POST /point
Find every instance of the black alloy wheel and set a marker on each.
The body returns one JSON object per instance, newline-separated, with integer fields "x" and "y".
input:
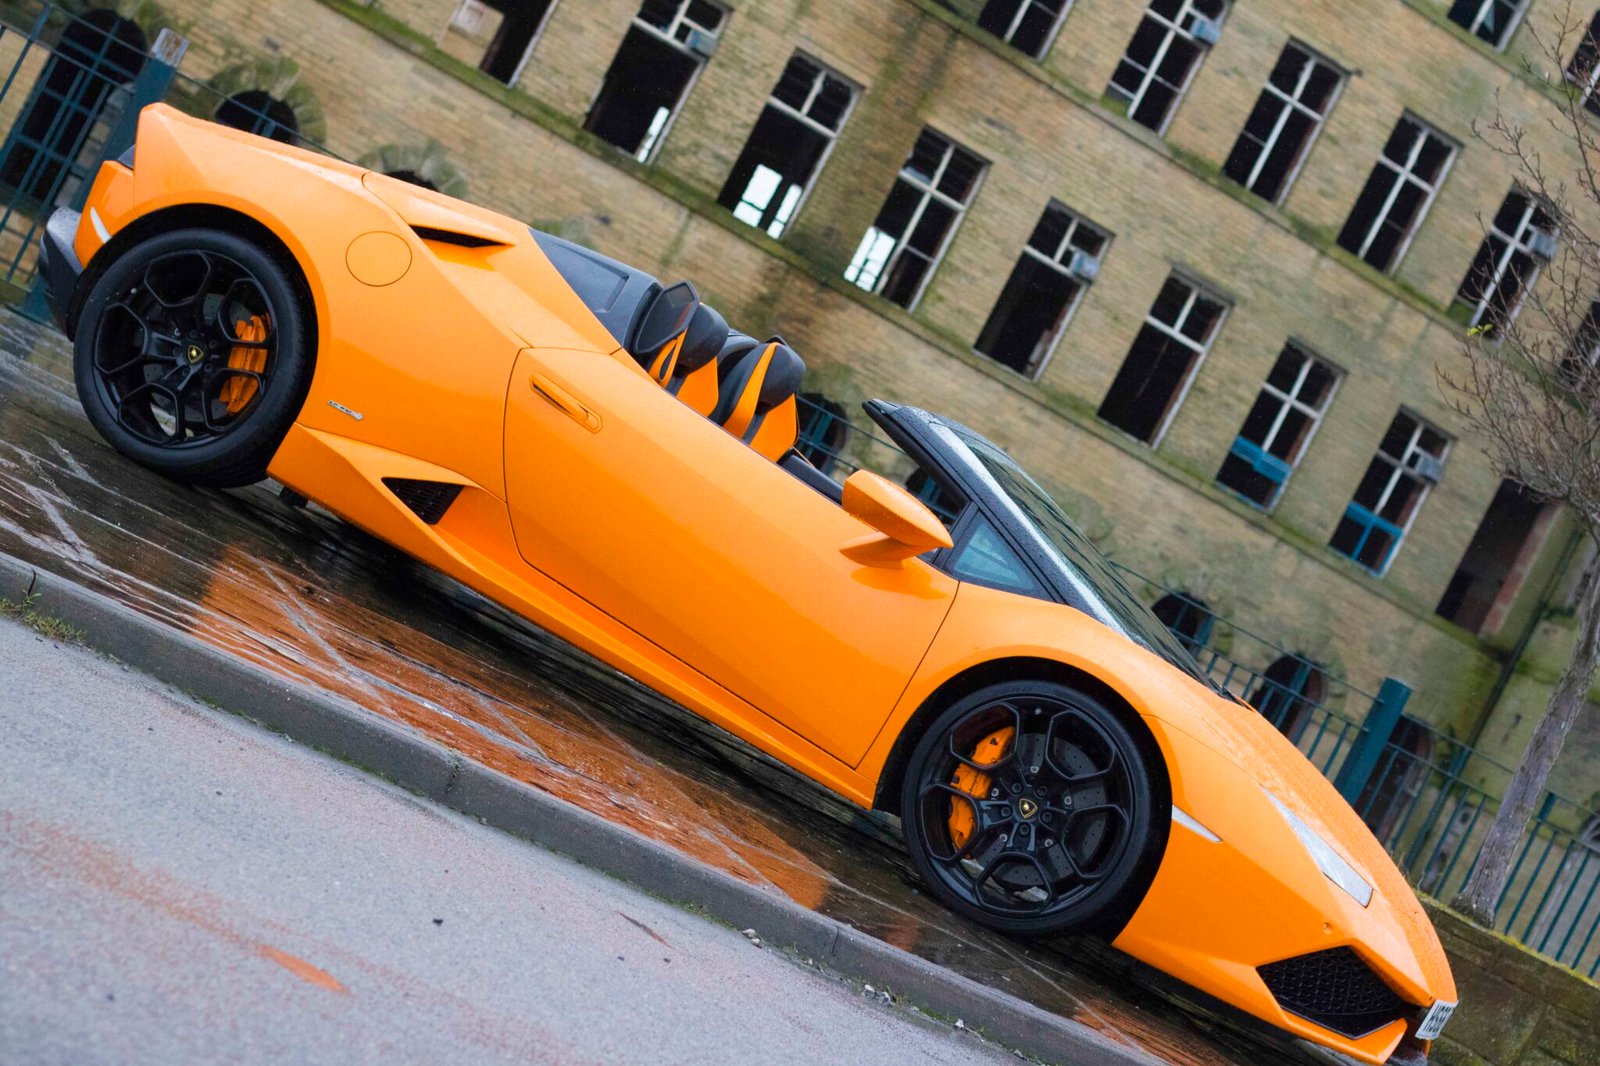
{"x": 191, "y": 356}
{"x": 1031, "y": 808}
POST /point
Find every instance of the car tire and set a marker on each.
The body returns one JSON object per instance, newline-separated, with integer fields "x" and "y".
{"x": 193, "y": 355}
{"x": 1034, "y": 809}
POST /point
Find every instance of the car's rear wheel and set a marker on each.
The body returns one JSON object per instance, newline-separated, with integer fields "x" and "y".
{"x": 1032, "y": 808}
{"x": 193, "y": 356}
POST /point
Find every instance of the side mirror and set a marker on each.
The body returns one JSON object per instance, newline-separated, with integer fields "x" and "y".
{"x": 905, "y": 527}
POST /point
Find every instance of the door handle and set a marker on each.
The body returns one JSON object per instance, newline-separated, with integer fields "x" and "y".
{"x": 564, "y": 401}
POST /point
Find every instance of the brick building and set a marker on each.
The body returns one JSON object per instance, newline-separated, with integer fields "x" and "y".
{"x": 1194, "y": 263}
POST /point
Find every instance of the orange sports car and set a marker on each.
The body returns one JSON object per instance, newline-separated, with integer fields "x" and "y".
{"x": 603, "y": 455}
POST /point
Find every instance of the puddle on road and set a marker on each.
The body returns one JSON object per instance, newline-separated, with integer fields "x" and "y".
{"x": 318, "y": 602}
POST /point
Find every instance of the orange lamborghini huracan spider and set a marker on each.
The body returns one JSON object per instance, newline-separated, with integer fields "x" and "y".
{"x": 601, "y": 454}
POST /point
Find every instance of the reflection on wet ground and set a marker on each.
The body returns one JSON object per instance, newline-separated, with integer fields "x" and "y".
{"x": 315, "y": 601}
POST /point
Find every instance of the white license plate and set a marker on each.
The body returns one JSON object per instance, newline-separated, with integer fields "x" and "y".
{"x": 1433, "y": 1022}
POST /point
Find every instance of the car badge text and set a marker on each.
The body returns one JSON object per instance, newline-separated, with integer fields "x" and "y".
{"x": 337, "y": 406}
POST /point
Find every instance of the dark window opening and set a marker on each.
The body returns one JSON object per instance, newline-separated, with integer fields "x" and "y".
{"x": 1162, "y": 360}
{"x": 99, "y": 50}
{"x": 1279, "y": 426}
{"x": 1284, "y": 122}
{"x": 824, "y": 431}
{"x": 788, "y": 145}
{"x": 1410, "y": 461}
{"x": 1584, "y": 70}
{"x": 1026, "y": 25}
{"x": 1519, "y": 241}
{"x": 1390, "y": 794}
{"x": 1060, "y": 260}
{"x": 1496, "y": 560}
{"x": 652, "y": 72}
{"x": 1397, "y": 194}
{"x": 1488, "y": 20}
{"x": 898, "y": 253}
{"x": 1162, "y": 57}
{"x": 508, "y": 50}
{"x": 259, "y": 112}
{"x": 413, "y": 177}
{"x": 1287, "y": 692}
{"x": 1186, "y": 618}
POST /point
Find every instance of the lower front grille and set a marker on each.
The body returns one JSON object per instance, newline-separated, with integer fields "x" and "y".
{"x": 428, "y": 500}
{"x": 1334, "y": 989}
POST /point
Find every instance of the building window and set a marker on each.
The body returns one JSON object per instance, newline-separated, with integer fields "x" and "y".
{"x": 824, "y": 432}
{"x": 496, "y": 36}
{"x": 1584, "y": 70}
{"x": 258, "y": 111}
{"x": 916, "y": 222}
{"x": 1409, "y": 462}
{"x": 1521, "y": 239}
{"x": 1288, "y": 691}
{"x": 1397, "y": 195}
{"x": 650, "y": 77}
{"x": 1286, "y": 413}
{"x": 1162, "y": 57}
{"x": 1057, "y": 264}
{"x": 1287, "y": 118}
{"x": 1497, "y": 559}
{"x": 788, "y": 146}
{"x": 1187, "y": 618}
{"x": 1175, "y": 336}
{"x": 1026, "y": 25}
{"x": 1488, "y": 20}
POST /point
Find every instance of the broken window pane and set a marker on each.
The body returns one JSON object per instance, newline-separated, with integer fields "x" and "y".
{"x": 496, "y": 36}
{"x": 924, "y": 207}
{"x": 1496, "y": 561}
{"x": 1162, "y": 57}
{"x": 1286, "y": 119}
{"x": 788, "y": 145}
{"x": 1176, "y": 334}
{"x": 1489, "y": 20}
{"x": 1027, "y": 25}
{"x": 1521, "y": 239}
{"x": 1397, "y": 194}
{"x": 1060, "y": 260}
{"x": 650, "y": 76}
{"x": 1279, "y": 426}
{"x": 1409, "y": 462}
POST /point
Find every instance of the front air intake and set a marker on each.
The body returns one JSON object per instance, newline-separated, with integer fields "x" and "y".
{"x": 428, "y": 500}
{"x": 1334, "y": 989}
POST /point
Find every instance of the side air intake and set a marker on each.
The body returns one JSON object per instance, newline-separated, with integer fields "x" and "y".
{"x": 460, "y": 240}
{"x": 428, "y": 500}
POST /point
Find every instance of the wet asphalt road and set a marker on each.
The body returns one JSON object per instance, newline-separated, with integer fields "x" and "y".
{"x": 320, "y": 604}
{"x": 178, "y": 886}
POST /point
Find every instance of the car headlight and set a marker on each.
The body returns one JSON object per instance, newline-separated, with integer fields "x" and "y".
{"x": 1330, "y": 862}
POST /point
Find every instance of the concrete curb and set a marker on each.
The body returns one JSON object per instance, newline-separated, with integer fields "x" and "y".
{"x": 356, "y": 735}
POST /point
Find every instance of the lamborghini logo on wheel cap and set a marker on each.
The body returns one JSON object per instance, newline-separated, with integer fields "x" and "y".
{"x": 1027, "y": 808}
{"x": 195, "y": 353}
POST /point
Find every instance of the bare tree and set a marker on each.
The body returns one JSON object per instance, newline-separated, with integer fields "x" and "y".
{"x": 1528, "y": 387}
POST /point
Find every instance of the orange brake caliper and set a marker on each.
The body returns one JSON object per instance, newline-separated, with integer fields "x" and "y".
{"x": 238, "y": 391}
{"x": 991, "y": 749}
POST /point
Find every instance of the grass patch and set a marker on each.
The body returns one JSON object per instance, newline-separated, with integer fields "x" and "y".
{"x": 26, "y": 611}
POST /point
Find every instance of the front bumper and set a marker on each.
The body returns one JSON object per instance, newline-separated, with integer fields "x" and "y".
{"x": 59, "y": 268}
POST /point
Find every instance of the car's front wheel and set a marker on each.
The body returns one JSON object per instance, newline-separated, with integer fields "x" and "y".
{"x": 192, "y": 355}
{"x": 1032, "y": 808}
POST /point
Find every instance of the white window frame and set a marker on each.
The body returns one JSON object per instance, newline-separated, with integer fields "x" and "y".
{"x": 653, "y": 142}
{"x": 1403, "y": 176}
{"x": 1064, "y": 248}
{"x": 1319, "y": 118}
{"x": 1484, "y": 7}
{"x": 1514, "y": 243}
{"x": 1586, "y": 82}
{"x": 929, "y": 190}
{"x": 1402, "y": 467}
{"x": 1201, "y": 349}
{"x": 1174, "y": 29}
{"x": 533, "y": 42}
{"x": 1050, "y": 38}
{"x": 1290, "y": 400}
{"x": 824, "y": 72}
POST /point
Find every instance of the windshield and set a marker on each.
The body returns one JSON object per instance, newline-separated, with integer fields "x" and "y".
{"x": 1093, "y": 577}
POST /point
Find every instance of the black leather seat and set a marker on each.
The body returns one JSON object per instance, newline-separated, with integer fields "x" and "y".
{"x": 683, "y": 366}
{"x": 756, "y": 394}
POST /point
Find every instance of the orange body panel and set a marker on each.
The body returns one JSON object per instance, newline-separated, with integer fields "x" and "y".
{"x": 603, "y": 508}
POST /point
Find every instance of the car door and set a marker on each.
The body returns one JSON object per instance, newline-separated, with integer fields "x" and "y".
{"x": 676, "y": 529}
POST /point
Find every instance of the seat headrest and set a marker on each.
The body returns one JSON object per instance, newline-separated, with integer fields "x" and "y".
{"x": 733, "y": 348}
{"x": 703, "y": 341}
{"x": 782, "y": 380}
{"x": 741, "y": 369}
